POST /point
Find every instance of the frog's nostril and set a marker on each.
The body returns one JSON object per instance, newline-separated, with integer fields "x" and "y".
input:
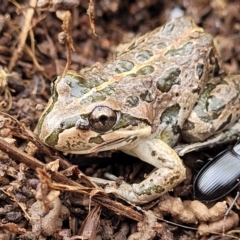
{"x": 82, "y": 124}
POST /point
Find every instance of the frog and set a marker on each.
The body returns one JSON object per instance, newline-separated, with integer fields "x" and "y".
{"x": 163, "y": 87}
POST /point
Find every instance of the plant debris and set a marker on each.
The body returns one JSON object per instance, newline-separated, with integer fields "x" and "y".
{"x": 44, "y": 195}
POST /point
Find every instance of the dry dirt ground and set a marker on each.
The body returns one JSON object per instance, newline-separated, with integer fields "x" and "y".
{"x": 37, "y": 201}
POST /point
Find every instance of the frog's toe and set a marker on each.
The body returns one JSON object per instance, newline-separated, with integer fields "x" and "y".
{"x": 124, "y": 191}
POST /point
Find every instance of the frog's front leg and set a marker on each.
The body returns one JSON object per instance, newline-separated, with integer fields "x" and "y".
{"x": 169, "y": 174}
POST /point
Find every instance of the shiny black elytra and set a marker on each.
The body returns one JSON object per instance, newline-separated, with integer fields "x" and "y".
{"x": 219, "y": 176}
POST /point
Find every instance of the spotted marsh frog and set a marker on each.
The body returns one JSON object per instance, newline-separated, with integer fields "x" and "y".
{"x": 162, "y": 85}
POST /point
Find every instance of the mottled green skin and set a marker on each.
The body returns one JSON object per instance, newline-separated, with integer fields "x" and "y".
{"x": 162, "y": 71}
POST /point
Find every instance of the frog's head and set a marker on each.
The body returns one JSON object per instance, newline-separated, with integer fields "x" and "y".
{"x": 81, "y": 118}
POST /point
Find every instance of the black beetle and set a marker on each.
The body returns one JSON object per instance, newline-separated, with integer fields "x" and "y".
{"x": 219, "y": 176}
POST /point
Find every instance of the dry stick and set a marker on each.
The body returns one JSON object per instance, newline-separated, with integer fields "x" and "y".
{"x": 23, "y": 34}
{"x": 228, "y": 211}
{"x": 33, "y": 163}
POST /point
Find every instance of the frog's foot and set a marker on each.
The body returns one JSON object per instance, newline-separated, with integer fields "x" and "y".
{"x": 169, "y": 174}
{"x": 226, "y": 136}
{"x": 153, "y": 187}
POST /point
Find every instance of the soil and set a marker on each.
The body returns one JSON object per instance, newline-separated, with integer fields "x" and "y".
{"x": 36, "y": 38}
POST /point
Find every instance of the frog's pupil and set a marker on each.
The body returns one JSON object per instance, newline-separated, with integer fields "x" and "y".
{"x": 103, "y": 119}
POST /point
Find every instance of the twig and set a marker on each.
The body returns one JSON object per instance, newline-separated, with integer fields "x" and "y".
{"x": 23, "y": 35}
{"x": 103, "y": 200}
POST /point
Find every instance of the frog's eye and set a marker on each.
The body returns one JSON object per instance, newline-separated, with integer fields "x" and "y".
{"x": 102, "y": 119}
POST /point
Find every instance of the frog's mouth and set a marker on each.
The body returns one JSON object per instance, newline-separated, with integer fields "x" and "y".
{"x": 115, "y": 144}
{"x": 71, "y": 141}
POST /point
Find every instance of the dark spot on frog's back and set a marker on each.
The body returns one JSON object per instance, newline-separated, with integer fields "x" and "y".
{"x": 144, "y": 55}
{"x": 145, "y": 70}
{"x": 161, "y": 45}
{"x": 146, "y": 96}
{"x": 185, "y": 50}
{"x": 199, "y": 70}
{"x": 77, "y": 85}
{"x": 132, "y": 101}
{"x": 80, "y": 86}
{"x": 168, "y": 79}
{"x": 98, "y": 96}
{"x": 124, "y": 66}
{"x": 170, "y": 115}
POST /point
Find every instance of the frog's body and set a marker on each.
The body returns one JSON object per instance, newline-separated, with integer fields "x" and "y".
{"x": 142, "y": 102}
